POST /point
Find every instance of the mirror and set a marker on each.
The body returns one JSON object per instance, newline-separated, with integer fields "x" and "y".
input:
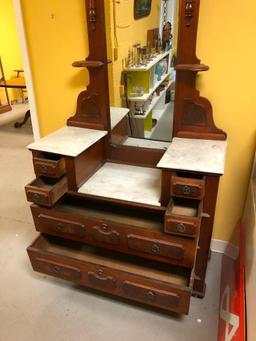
{"x": 141, "y": 76}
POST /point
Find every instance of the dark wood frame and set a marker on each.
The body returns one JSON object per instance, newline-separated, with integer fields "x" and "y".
{"x": 145, "y": 14}
{"x": 193, "y": 117}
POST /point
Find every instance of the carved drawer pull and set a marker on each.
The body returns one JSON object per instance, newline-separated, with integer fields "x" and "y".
{"x": 43, "y": 169}
{"x": 181, "y": 228}
{"x": 101, "y": 234}
{"x": 186, "y": 190}
{"x": 106, "y": 282}
{"x": 151, "y": 295}
{"x": 56, "y": 268}
{"x": 36, "y": 197}
{"x": 155, "y": 248}
{"x": 60, "y": 226}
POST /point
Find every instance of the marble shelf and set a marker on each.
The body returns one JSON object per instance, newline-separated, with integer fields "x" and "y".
{"x": 117, "y": 114}
{"x": 125, "y": 182}
{"x": 68, "y": 141}
{"x": 207, "y": 156}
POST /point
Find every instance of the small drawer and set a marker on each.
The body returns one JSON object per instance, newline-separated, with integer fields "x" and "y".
{"x": 57, "y": 269}
{"x": 50, "y": 165}
{"x": 46, "y": 191}
{"x": 156, "y": 247}
{"x": 61, "y": 226}
{"x": 183, "y": 217}
{"x": 182, "y": 185}
{"x": 159, "y": 285}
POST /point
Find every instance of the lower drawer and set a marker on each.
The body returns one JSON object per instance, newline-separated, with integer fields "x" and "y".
{"x": 125, "y": 230}
{"x": 156, "y": 284}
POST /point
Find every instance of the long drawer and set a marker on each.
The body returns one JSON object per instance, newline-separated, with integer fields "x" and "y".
{"x": 126, "y": 230}
{"x": 152, "y": 283}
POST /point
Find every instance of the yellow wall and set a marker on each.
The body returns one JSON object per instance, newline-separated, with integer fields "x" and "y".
{"x": 226, "y": 38}
{"x": 225, "y": 42}
{"x": 9, "y": 46}
{"x": 56, "y": 34}
{"x": 129, "y": 31}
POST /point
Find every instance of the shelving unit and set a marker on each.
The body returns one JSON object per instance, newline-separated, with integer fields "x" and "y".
{"x": 146, "y": 77}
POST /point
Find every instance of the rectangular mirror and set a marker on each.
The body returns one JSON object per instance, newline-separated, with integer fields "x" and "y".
{"x": 141, "y": 75}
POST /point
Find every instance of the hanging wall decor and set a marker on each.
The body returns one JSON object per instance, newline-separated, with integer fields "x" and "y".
{"x": 142, "y": 8}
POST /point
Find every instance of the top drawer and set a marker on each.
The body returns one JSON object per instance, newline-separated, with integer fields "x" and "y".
{"x": 49, "y": 165}
{"x": 188, "y": 185}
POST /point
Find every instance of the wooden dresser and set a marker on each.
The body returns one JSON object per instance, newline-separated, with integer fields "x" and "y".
{"x": 127, "y": 217}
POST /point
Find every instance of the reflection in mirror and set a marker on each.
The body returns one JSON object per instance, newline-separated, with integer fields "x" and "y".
{"x": 141, "y": 75}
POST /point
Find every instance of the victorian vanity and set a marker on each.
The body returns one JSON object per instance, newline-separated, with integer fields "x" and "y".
{"x": 121, "y": 214}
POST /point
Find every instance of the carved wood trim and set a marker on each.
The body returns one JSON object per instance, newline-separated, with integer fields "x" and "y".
{"x": 93, "y": 109}
{"x": 193, "y": 116}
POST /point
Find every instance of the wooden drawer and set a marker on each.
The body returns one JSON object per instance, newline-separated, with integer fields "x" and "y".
{"x": 183, "y": 217}
{"x": 126, "y": 230}
{"x": 49, "y": 165}
{"x": 188, "y": 186}
{"x": 46, "y": 191}
{"x": 152, "y": 283}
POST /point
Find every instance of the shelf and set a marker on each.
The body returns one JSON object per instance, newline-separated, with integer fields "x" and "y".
{"x": 150, "y": 65}
{"x": 154, "y": 102}
{"x": 157, "y": 115}
{"x": 146, "y": 96}
{"x": 192, "y": 67}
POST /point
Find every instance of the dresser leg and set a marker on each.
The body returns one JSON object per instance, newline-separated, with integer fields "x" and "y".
{"x": 196, "y": 290}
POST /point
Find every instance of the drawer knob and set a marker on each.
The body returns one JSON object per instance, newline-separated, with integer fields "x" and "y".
{"x": 36, "y": 197}
{"x": 151, "y": 295}
{"x": 104, "y": 227}
{"x": 181, "y": 228}
{"x": 155, "y": 248}
{"x": 60, "y": 226}
{"x": 44, "y": 169}
{"x": 186, "y": 190}
{"x": 56, "y": 268}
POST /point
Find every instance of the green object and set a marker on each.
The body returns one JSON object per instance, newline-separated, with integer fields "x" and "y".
{"x": 138, "y": 80}
{"x": 148, "y": 122}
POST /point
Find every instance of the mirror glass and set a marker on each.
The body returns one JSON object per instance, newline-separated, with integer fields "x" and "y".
{"x": 141, "y": 40}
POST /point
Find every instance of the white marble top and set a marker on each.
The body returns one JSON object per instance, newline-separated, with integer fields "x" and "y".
{"x": 117, "y": 114}
{"x": 69, "y": 141}
{"x": 125, "y": 182}
{"x": 145, "y": 143}
{"x": 207, "y": 156}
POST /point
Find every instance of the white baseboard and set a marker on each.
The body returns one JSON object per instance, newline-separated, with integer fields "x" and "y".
{"x": 218, "y": 245}
{"x": 231, "y": 250}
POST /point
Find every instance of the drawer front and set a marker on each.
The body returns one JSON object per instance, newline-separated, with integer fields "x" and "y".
{"x": 151, "y": 295}
{"x": 114, "y": 280}
{"x": 63, "y": 226}
{"x": 44, "y": 192}
{"x": 183, "y": 227}
{"x": 40, "y": 198}
{"x": 156, "y": 246}
{"x": 187, "y": 188}
{"x": 57, "y": 269}
{"x": 50, "y": 168}
{"x": 128, "y": 239}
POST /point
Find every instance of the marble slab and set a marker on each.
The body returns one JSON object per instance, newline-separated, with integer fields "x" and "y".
{"x": 145, "y": 143}
{"x": 117, "y": 114}
{"x": 205, "y": 156}
{"x": 125, "y": 182}
{"x": 69, "y": 141}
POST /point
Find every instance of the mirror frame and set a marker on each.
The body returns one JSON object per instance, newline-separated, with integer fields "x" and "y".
{"x": 193, "y": 117}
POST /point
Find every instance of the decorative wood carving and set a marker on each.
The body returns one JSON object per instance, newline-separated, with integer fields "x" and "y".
{"x": 93, "y": 14}
{"x": 189, "y": 10}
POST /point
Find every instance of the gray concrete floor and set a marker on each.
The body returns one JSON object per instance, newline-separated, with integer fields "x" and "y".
{"x": 36, "y": 307}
